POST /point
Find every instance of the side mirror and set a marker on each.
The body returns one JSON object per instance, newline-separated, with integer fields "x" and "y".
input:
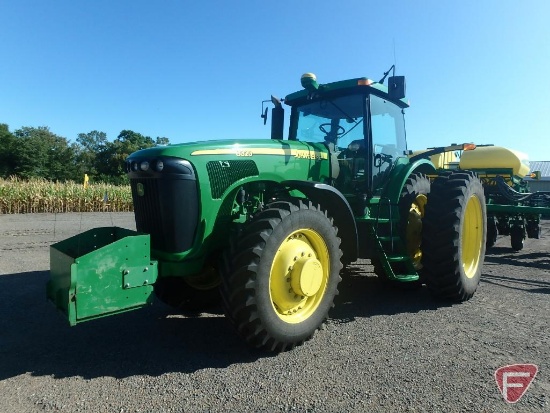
{"x": 396, "y": 87}
{"x": 277, "y": 119}
{"x": 277, "y": 122}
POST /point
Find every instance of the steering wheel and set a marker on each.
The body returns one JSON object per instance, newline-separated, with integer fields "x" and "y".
{"x": 381, "y": 158}
{"x": 339, "y": 130}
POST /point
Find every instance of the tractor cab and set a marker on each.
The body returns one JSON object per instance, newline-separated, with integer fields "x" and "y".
{"x": 360, "y": 122}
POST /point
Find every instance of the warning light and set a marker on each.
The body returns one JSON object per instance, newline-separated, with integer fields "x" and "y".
{"x": 364, "y": 82}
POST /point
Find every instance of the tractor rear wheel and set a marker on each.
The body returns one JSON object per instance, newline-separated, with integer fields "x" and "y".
{"x": 280, "y": 284}
{"x": 412, "y": 207}
{"x": 412, "y": 204}
{"x": 454, "y": 236}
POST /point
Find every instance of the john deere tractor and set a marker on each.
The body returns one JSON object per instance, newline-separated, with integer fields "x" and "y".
{"x": 266, "y": 226}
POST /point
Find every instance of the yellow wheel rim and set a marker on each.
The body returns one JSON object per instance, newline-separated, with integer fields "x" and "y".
{"x": 414, "y": 229}
{"x": 299, "y": 276}
{"x": 472, "y": 236}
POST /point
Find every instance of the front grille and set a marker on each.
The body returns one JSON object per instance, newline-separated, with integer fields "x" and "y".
{"x": 223, "y": 174}
{"x": 167, "y": 209}
{"x": 147, "y": 207}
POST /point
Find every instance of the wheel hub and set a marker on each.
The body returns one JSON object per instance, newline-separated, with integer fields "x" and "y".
{"x": 306, "y": 276}
{"x": 299, "y": 275}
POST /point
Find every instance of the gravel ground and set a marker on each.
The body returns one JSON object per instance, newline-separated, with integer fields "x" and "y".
{"x": 381, "y": 351}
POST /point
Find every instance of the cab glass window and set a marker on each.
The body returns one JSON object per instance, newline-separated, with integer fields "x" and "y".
{"x": 338, "y": 120}
{"x": 388, "y": 128}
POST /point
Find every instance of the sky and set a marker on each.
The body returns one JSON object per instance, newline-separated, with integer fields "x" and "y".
{"x": 477, "y": 70}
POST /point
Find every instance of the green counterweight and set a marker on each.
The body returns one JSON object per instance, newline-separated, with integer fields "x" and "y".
{"x": 100, "y": 272}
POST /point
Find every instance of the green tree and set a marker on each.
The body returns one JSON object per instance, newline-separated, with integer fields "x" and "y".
{"x": 32, "y": 152}
{"x": 162, "y": 141}
{"x": 39, "y": 153}
{"x": 7, "y": 148}
{"x": 111, "y": 162}
{"x": 89, "y": 146}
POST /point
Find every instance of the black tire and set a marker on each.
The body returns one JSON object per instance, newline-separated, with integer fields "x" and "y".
{"x": 454, "y": 236}
{"x": 533, "y": 229}
{"x": 517, "y": 236}
{"x": 264, "y": 287}
{"x": 492, "y": 232}
{"x": 191, "y": 294}
{"x": 503, "y": 226}
{"x": 412, "y": 205}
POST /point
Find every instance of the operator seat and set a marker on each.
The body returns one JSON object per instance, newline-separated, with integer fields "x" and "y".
{"x": 333, "y": 153}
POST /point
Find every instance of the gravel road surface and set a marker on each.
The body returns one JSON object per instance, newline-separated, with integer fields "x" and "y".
{"x": 382, "y": 350}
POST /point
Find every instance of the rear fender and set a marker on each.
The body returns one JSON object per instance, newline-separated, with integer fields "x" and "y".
{"x": 401, "y": 173}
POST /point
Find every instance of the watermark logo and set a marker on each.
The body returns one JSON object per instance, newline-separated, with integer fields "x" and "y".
{"x": 514, "y": 380}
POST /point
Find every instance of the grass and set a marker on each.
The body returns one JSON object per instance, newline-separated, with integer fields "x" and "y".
{"x": 19, "y": 197}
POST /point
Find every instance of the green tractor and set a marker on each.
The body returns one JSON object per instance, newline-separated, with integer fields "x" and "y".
{"x": 266, "y": 226}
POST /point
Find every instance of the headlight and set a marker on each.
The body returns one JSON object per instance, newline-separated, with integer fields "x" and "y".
{"x": 160, "y": 166}
{"x": 134, "y": 166}
{"x": 144, "y": 165}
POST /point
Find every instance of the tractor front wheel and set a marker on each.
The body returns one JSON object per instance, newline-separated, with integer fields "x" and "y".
{"x": 280, "y": 284}
{"x": 454, "y": 236}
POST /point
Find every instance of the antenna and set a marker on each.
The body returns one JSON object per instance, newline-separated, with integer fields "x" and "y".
{"x": 381, "y": 81}
{"x": 394, "y": 54}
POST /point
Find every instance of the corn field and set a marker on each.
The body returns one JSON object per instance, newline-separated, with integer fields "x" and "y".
{"x": 20, "y": 197}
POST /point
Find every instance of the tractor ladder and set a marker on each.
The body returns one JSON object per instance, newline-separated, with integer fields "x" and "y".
{"x": 383, "y": 226}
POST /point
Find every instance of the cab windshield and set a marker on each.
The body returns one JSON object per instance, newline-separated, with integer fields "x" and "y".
{"x": 337, "y": 120}
{"x": 388, "y": 138}
{"x": 388, "y": 129}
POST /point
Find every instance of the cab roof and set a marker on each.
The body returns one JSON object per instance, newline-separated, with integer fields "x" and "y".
{"x": 344, "y": 87}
